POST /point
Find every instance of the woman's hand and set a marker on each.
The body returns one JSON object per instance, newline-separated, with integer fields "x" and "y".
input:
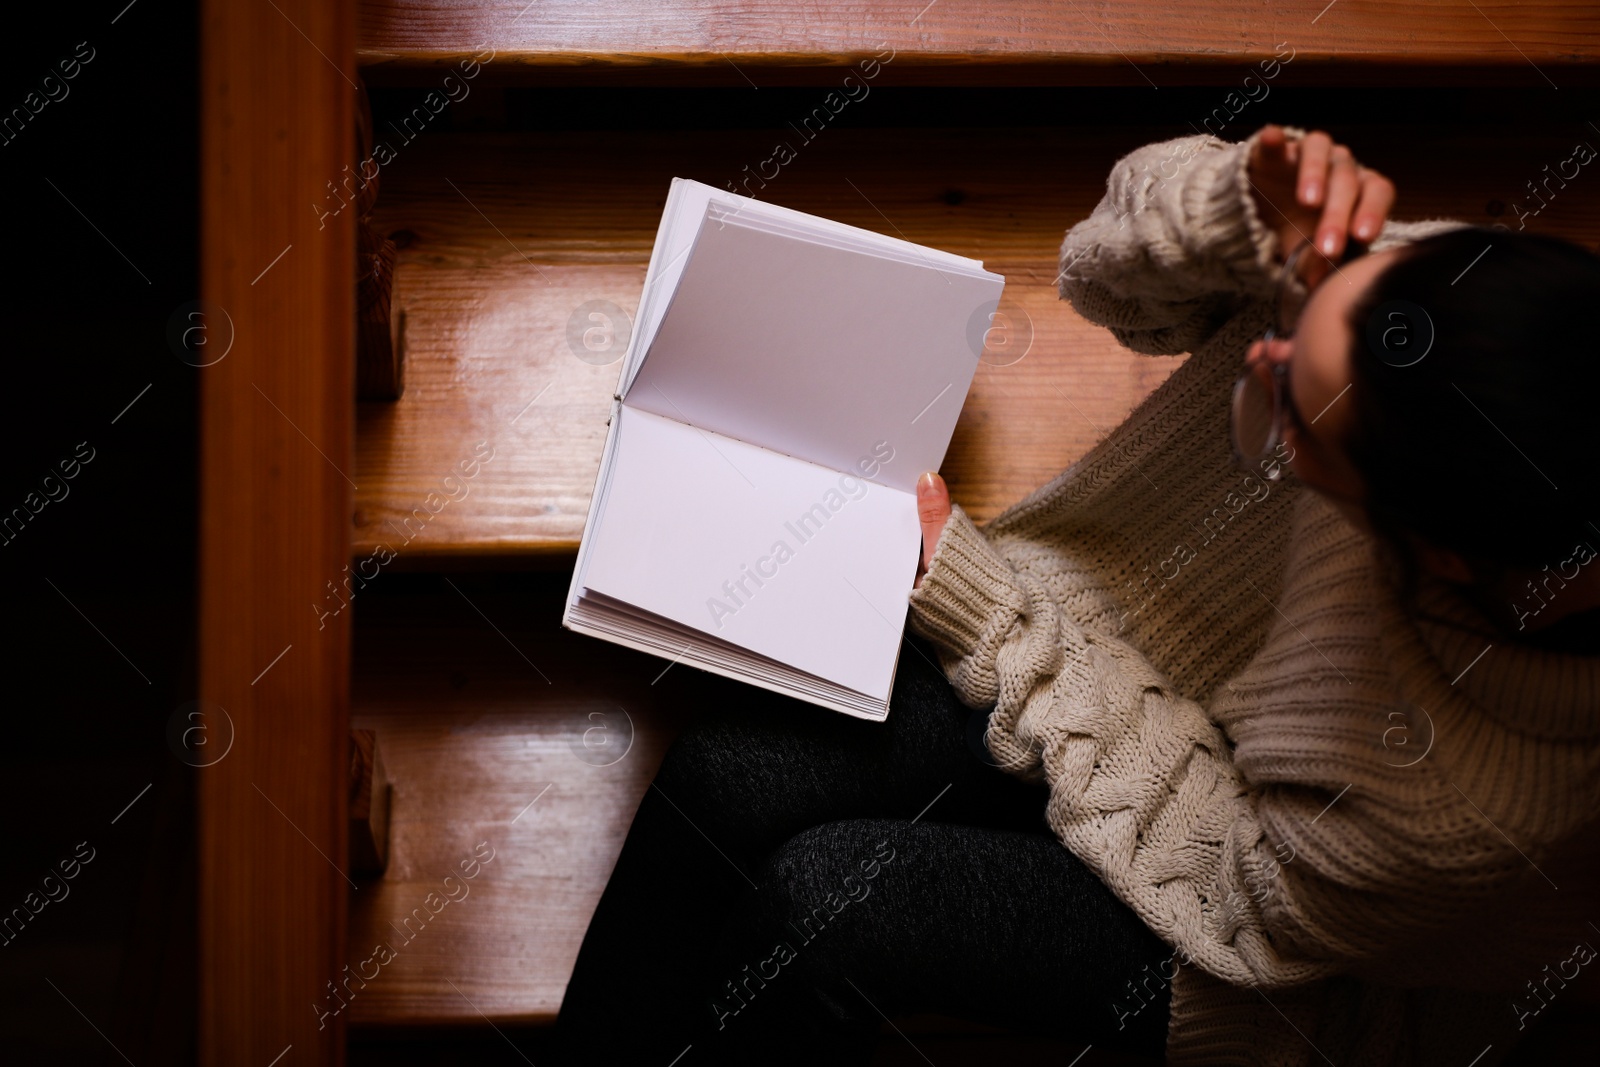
{"x": 1312, "y": 189}
{"x": 933, "y": 508}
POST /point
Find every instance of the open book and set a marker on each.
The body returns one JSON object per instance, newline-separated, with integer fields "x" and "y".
{"x": 787, "y": 381}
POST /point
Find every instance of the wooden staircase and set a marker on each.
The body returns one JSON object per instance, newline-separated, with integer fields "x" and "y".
{"x": 532, "y": 198}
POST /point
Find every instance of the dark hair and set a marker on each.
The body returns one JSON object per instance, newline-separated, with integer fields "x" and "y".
{"x": 1485, "y": 444}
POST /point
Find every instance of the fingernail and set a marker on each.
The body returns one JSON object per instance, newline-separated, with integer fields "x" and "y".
{"x": 1312, "y": 189}
{"x": 1328, "y": 241}
{"x": 925, "y": 483}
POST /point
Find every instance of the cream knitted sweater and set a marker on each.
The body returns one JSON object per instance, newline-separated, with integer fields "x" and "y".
{"x": 1366, "y": 835}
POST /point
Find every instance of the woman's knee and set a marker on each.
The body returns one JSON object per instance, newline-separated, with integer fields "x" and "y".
{"x": 734, "y": 778}
{"x": 714, "y": 751}
{"x": 821, "y": 878}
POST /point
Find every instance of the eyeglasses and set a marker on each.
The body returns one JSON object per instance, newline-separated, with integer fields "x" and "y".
{"x": 1261, "y": 409}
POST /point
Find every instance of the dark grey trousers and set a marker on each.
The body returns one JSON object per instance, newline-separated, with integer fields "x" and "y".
{"x": 794, "y": 876}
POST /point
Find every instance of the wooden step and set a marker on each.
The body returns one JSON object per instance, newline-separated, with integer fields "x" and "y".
{"x": 965, "y": 42}
{"x": 494, "y": 725}
{"x": 508, "y": 236}
{"x": 450, "y": 672}
{"x": 513, "y": 234}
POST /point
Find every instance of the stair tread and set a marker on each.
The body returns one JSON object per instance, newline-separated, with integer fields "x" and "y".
{"x": 514, "y": 232}
{"x": 965, "y": 41}
{"x": 479, "y": 747}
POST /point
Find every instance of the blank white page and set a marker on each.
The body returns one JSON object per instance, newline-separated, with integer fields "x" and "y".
{"x": 690, "y": 530}
{"x": 687, "y": 204}
{"x": 818, "y": 352}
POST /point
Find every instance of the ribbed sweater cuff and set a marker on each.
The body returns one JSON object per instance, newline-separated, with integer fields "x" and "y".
{"x": 969, "y": 598}
{"x": 1247, "y": 246}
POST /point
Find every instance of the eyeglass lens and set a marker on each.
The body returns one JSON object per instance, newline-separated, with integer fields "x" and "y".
{"x": 1253, "y": 416}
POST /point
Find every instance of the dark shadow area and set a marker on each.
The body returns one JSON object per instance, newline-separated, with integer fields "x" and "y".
{"x": 491, "y": 106}
{"x": 98, "y": 161}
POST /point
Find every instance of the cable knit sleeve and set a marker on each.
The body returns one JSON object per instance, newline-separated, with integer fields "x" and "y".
{"x": 1142, "y": 783}
{"x": 1173, "y": 247}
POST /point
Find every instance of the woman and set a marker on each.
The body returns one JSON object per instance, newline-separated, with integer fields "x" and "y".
{"x": 1300, "y": 668}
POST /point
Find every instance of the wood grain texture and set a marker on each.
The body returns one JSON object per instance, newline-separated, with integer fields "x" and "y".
{"x": 507, "y": 235}
{"x": 510, "y": 235}
{"x": 275, "y": 436}
{"x": 481, "y": 749}
{"x": 980, "y": 41}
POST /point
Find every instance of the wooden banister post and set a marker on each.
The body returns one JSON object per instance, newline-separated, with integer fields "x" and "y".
{"x": 276, "y": 455}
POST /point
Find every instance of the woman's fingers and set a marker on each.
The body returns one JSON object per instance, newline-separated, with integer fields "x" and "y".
{"x": 1272, "y": 144}
{"x": 1311, "y": 189}
{"x": 1372, "y": 210}
{"x": 933, "y": 508}
{"x": 1343, "y": 188}
{"x": 1276, "y": 163}
{"x": 1314, "y": 150}
{"x": 1272, "y": 172}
